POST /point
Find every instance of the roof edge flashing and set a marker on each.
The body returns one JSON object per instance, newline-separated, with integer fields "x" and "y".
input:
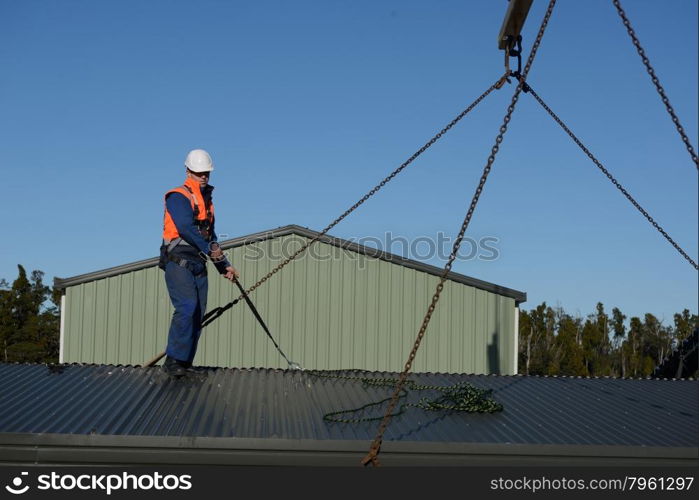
{"x": 518, "y": 296}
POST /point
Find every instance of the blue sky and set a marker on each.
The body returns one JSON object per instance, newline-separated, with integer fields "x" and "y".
{"x": 306, "y": 105}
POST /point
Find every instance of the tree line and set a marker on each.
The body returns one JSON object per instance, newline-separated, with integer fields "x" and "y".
{"x": 553, "y": 342}
{"x": 29, "y": 319}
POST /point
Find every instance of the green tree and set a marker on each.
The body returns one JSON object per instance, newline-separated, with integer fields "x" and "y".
{"x": 552, "y": 342}
{"x": 648, "y": 343}
{"x": 29, "y": 329}
{"x": 619, "y": 329}
{"x": 595, "y": 343}
{"x": 657, "y": 345}
{"x": 637, "y": 349}
{"x": 571, "y": 361}
{"x": 542, "y": 327}
{"x": 5, "y": 309}
{"x": 685, "y": 323}
{"x": 525, "y": 341}
{"x": 537, "y": 347}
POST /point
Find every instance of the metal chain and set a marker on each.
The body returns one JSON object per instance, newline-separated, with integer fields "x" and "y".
{"x": 656, "y": 82}
{"x": 372, "y": 456}
{"x": 461, "y": 397}
{"x": 498, "y": 84}
{"x": 612, "y": 179}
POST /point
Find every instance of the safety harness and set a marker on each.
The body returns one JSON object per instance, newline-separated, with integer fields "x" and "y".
{"x": 203, "y": 220}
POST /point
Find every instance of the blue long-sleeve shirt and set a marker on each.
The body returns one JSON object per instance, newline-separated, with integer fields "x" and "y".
{"x": 180, "y": 209}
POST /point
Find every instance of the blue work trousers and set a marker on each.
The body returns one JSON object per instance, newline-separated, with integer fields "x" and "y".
{"x": 188, "y": 287}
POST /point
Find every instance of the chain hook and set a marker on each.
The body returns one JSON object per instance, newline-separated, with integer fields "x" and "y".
{"x": 509, "y": 43}
{"x": 517, "y": 52}
{"x": 510, "y": 51}
{"x": 525, "y": 86}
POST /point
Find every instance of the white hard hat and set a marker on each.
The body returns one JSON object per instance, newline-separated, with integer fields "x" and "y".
{"x": 199, "y": 160}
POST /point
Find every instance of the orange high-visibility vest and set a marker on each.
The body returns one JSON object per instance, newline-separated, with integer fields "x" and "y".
{"x": 203, "y": 215}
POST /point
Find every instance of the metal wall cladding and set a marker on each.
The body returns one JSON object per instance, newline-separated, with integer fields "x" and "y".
{"x": 291, "y": 404}
{"x": 330, "y": 309}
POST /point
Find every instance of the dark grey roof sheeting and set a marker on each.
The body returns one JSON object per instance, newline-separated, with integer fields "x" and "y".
{"x": 518, "y": 296}
{"x": 281, "y": 409}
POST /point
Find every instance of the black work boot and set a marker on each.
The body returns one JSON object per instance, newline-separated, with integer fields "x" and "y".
{"x": 192, "y": 369}
{"x": 173, "y": 367}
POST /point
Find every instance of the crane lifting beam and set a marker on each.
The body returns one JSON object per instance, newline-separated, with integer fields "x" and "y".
{"x": 512, "y": 25}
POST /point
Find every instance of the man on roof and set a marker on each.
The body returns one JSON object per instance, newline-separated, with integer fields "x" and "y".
{"x": 189, "y": 239}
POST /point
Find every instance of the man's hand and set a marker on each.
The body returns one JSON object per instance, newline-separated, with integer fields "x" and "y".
{"x": 231, "y": 274}
{"x": 217, "y": 254}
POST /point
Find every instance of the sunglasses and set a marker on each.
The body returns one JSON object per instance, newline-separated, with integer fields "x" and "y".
{"x": 199, "y": 174}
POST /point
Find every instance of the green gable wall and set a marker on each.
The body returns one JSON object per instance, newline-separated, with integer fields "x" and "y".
{"x": 330, "y": 309}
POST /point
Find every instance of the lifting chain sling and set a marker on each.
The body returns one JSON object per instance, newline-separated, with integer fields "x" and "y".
{"x": 609, "y": 175}
{"x": 217, "y": 312}
{"x": 372, "y": 456}
{"x": 656, "y": 82}
{"x": 459, "y": 397}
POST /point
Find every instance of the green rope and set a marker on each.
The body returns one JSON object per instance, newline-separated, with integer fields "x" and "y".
{"x": 461, "y": 397}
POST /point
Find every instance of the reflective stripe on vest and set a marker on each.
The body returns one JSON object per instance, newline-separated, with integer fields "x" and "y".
{"x": 190, "y": 189}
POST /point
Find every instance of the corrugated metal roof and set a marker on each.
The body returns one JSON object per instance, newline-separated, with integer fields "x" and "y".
{"x": 282, "y": 404}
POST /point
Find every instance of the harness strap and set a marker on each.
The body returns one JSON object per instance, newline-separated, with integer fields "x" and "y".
{"x": 196, "y": 205}
{"x": 173, "y": 243}
{"x": 183, "y": 263}
{"x": 194, "y": 200}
